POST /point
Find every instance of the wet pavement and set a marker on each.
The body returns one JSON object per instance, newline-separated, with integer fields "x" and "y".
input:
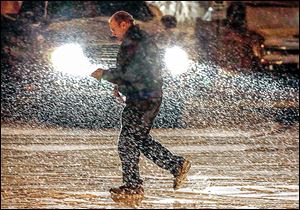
{"x": 74, "y": 168}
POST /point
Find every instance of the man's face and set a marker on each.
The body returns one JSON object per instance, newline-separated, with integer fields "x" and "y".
{"x": 118, "y": 30}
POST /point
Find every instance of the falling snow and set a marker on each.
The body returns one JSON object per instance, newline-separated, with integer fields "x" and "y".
{"x": 59, "y": 130}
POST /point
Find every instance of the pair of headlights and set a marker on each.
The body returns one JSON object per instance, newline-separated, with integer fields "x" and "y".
{"x": 70, "y": 59}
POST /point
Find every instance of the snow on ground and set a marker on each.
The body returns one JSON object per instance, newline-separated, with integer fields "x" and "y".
{"x": 74, "y": 168}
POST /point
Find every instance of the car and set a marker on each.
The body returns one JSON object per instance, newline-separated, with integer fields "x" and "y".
{"x": 254, "y": 35}
{"x": 52, "y": 97}
{"x": 275, "y": 29}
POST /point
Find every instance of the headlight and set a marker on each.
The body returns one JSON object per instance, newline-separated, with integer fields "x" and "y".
{"x": 176, "y": 60}
{"x": 70, "y": 59}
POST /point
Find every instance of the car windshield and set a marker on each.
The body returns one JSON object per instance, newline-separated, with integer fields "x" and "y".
{"x": 64, "y": 10}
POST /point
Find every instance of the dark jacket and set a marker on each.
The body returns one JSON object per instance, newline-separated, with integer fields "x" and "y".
{"x": 138, "y": 69}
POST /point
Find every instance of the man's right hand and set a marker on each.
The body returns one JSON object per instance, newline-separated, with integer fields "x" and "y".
{"x": 97, "y": 74}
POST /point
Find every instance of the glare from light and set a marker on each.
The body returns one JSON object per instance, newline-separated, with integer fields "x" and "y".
{"x": 176, "y": 60}
{"x": 70, "y": 59}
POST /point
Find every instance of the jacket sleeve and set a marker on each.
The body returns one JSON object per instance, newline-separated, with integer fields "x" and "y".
{"x": 116, "y": 75}
{"x": 112, "y": 75}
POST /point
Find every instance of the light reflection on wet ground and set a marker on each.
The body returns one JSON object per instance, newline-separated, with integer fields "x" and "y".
{"x": 65, "y": 168}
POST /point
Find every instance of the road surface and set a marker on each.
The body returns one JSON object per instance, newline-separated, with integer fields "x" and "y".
{"x": 74, "y": 168}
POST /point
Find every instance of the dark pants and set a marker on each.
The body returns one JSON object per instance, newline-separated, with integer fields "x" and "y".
{"x": 137, "y": 120}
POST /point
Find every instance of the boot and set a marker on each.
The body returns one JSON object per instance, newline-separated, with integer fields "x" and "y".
{"x": 131, "y": 196}
{"x": 181, "y": 177}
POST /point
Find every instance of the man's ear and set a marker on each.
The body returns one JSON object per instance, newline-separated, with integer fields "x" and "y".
{"x": 123, "y": 24}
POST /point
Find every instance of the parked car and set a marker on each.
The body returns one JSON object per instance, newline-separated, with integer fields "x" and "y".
{"x": 254, "y": 35}
{"x": 277, "y": 27}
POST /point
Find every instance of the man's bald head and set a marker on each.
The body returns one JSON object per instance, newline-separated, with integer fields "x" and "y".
{"x": 119, "y": 23}
{"x": 122, "y": 16}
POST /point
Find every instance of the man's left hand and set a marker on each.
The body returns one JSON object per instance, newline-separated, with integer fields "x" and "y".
{"x": 117, "y": 94}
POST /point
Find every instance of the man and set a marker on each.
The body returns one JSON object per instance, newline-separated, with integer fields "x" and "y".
{"x": 138, "y": 77}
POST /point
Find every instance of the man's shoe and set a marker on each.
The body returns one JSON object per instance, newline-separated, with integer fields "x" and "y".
{"x": 181, "y": 177}
{"x": 128, "y": 195}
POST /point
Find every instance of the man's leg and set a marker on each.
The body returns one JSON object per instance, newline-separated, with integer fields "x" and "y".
{"x": 151, "y": 148}
{"x": 160, "y": 155}
{"x": 128, "y": 149}
{"x": 132, "y": 191}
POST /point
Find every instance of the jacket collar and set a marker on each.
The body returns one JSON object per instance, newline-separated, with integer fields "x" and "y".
{"x": 134, "y": 32}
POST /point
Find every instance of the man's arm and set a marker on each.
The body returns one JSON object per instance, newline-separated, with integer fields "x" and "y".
{"x": 117, "y": 75}
{"x": 110, "y": 75}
